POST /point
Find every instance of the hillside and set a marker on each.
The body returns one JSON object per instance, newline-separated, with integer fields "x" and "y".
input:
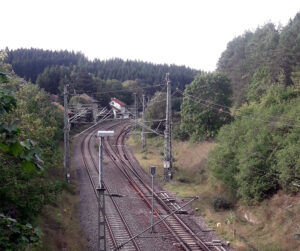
{"x": 249, "y": 180}
{"x": 270, "y": 225}
{"x": 236, "y": 137}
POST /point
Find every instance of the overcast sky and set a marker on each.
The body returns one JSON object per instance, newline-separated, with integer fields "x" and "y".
{"x": 184, "y": 32}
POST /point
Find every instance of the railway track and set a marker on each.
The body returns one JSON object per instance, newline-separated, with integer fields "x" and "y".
{"x": 116, "y": 226}
{"x": 184, "y": 236}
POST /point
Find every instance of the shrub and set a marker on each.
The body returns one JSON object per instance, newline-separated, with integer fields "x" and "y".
{"x": 221, "y": 204}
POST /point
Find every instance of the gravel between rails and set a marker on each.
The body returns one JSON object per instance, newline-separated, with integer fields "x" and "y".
{"x": 136, "y": 213}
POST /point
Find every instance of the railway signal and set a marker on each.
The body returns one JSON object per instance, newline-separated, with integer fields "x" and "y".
{"x": 152, "y": 170}
{"x": 101, "y": 189}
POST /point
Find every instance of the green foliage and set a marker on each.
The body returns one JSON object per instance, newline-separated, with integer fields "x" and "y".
{"x": 220, "y": 204}
{"x": 258, "y": 59}
{"x": 17, "y": 236}
{"x": 289, "y": 48}
{"x": 118, "y": 91}
{"x": 50, "y": 79}
{"x": 29, "y": 63}
{"x": 24, "y": 184}
{"x": 179, "y": 134}
{"x": 7, "y": 100}
{"x": 3, "y": 78}
{"x": 156, "y": 110}
{"x": 260, "y": 82}
{"x": 200, "y": 117}
{"x": 258, "y": 152}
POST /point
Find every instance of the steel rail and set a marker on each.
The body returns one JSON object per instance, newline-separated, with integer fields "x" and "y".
{"x": 116, "y": 151}
{"x": 131, "y": 168}
{"x": 95, "y": 187}
{"x": 111, "y": 233}
{"x": 113, "y": 200}
{"x": 160, "y": 201}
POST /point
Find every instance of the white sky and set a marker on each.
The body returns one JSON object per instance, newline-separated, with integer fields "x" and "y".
{"x": 184, "y": 32}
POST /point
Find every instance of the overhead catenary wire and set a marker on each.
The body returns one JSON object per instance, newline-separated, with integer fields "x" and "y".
{"x": 212, "y": 105}
{"x": 116, "y": 91}
{"x": 223, "y": 106}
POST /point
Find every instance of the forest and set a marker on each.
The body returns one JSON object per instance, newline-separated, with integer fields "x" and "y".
{"x": 255, "y": 119}
{"x": 48, "y": 68}
{"x": 250, "y": 106}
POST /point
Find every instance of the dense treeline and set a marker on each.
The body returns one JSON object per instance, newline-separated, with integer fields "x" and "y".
{"x": 147, "y": 72}
{"x": 30, "y": 159}
{"x": 258, "y": 59}
{"x": 258, "y": 153}
{"x": 258, "y": 132}
{"x": 31, "y": 63}
{"x": 81, "y": 81}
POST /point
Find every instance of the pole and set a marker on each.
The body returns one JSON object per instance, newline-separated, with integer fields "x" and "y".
{"x": 135, "y": 111}
{"x": 101, "y": 203}
{"x": 168, "y": 165}
{"x": 152, "y": 170}
{"x": 66, "y": 135}
{"x": 100, "y": 163}
{"x": 95, "y": 111}
{"x": 152, "y": 214}
{"x": 143, "y": 129}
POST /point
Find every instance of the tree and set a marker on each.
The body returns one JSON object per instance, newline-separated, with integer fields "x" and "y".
{"x": 205, "y": 107}
{"x": 25, "y": 186}
{"x": 156, "y": 110}
{"x": 50, "y": 78}
{"x": 248, "y": 53}
{"x": 289, "y": 48}
{"x": 258, "y": 153}
{"x": 117, "y": 90}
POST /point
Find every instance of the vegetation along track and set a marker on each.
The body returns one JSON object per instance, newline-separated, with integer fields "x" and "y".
{"x": 186, "y": 238}
{"x": 116, "y": 225}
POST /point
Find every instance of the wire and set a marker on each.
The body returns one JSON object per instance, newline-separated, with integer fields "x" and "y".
{"x": 227, "y": 107}
{"x": 115, "y": 91}
{"x": 209, "y": 105}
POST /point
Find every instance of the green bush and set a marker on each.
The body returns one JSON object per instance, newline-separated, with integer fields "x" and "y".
{"x": 28, "y": 154}
{"x": 258, "y": 153}
{"x": 220, "y": 204}
{"x": 201, "y": 118}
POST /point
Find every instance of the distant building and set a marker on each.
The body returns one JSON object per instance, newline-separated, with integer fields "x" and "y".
{"x": 119, "y": 108}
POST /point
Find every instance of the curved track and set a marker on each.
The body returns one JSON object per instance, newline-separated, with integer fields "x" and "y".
{"x": 124, "y": 169}
{"x": 117, "y": 228}
{"x": 185, "y": 237}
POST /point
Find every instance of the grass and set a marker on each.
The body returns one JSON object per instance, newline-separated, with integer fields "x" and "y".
{"x": 59, "y": 221}
{"x": 272, "y": 225}
{"x": 60, "y": 225}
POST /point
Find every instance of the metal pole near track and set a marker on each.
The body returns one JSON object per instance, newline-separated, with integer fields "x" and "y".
{"x": 168, "y": 164}
{"x": 152, "y": 172}
{"x": 66, "y": 135}
{"x": 101, "y": 200}
{"x": 143, "y": 129}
